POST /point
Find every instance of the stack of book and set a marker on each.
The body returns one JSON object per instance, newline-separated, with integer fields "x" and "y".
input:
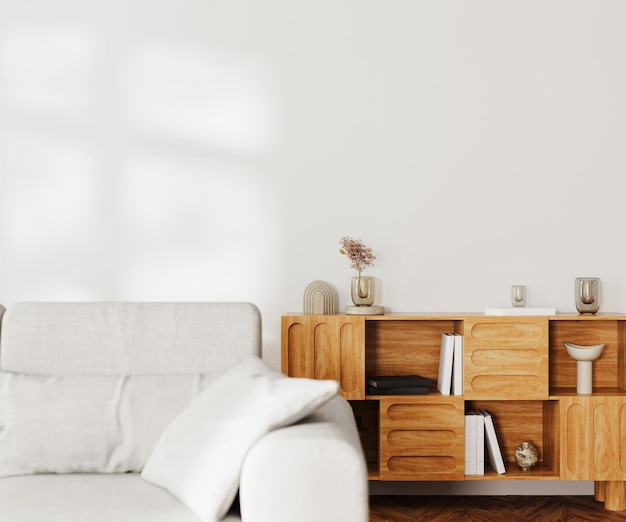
{"x": 450, "y": 379}
{"x": 480, "y": 433}
{"x": 398, "y": 385}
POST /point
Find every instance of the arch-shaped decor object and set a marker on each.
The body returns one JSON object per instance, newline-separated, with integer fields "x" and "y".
{"x": 319, "y": 299}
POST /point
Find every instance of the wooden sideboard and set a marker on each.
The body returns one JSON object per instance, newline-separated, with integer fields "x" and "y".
{"x": 516, "y": 367}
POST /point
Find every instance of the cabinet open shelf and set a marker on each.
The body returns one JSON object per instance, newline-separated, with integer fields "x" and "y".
{"x": 514, "y": 472}
{"x": 514, "y": 367}
{"x": 401, "y": 347}
{"x": 555, "y": 393}
{"x": 376, "y": 397}
{"x": 516, "y": 421}
{"x": 366, "y": 417}
{"x": 608, "y": 370}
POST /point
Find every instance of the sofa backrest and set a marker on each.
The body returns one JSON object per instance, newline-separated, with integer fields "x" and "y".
{"x": 122, "y": 338}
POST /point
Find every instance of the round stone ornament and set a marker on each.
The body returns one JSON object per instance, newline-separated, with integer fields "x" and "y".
{"x": 526, "y": 455}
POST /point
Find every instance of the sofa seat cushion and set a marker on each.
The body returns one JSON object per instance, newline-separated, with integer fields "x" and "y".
{"x": 89, "y": 497}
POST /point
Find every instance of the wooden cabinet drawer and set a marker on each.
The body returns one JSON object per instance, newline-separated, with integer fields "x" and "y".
{"x": 506, "y": 358}
{"x": 422, "y": 438}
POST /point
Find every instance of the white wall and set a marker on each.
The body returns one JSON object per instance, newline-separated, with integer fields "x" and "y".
{"x": 218, "y": 150}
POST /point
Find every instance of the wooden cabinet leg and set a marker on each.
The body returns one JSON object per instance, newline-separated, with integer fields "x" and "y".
{"x": 615, "y": 495}
{"x": 599, "y": 490}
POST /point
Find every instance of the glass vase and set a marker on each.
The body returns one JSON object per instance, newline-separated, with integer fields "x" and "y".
{"x": 587, "y": 295}
{"x": 362, "y": 290}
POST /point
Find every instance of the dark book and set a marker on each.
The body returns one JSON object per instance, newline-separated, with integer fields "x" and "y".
{"x": 402, "y": 390}
{"x": 397, "y": 381}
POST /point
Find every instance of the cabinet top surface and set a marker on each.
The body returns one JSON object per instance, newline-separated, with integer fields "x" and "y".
{"x": 459, "y": 316}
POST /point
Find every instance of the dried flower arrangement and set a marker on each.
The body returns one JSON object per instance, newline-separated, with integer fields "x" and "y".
{"x": 359, "y": 255}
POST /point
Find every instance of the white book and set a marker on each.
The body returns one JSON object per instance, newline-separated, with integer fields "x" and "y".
{"x": 467, "y": 445}
{"x": 493, "y": 447}
{"x": 457, "y": 366}
{"x": 470, "y": 444}
{"x": 480, "y": 442}
{"x": 444, "y": 380}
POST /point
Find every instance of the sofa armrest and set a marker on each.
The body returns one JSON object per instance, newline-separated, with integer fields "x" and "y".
{"x": 312, "y": 471}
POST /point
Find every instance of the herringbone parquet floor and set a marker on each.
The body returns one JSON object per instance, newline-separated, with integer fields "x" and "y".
{"x": 508, "y": 508}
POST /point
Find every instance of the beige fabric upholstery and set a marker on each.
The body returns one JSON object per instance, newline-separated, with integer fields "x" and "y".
{"x": 301, "y": 473}
{"x": 127, "y": 338}
{"x": 332, "y": 471}
{"x": 89, "y": 498}
{"x": 87, "y": 423}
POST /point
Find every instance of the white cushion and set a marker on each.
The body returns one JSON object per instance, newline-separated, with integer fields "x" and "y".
{"x": 87, "y": 423}
{"x": 199, "y": 456}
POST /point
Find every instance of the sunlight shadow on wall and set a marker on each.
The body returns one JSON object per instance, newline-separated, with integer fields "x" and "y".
{"x": 206, "y": 228}
{"x": 202, "y": 96}
{"x": 199, "y": 219}
{"x": 50, "y": 222}
{"x": 51, "y": 219}
{"x": 160, "y": 199}
{"x": 50, "y": 69}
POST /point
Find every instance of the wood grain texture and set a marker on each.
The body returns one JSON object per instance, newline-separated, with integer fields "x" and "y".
{"x": 621, "y": 355}
{"x": 405, "y": 347}
{"x": 366, "y": 417}
{"x": 592, "y": 438}
{"x": 514, "y": 367}
{"x": 325, "y": 347}
{"x": 421, "y": 438}
{"x": 510, "y": 508}
{"x": 506, "y": 358}
{"x": 605, "y": 369}
{"x": 518, "y": 421}
{"x": 615, "y": 495}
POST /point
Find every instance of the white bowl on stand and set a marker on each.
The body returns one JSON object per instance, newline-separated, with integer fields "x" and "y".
{"x": 584, "y": 357}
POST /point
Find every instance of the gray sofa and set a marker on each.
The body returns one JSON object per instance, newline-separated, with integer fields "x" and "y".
{"x": 86, "y": 390}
